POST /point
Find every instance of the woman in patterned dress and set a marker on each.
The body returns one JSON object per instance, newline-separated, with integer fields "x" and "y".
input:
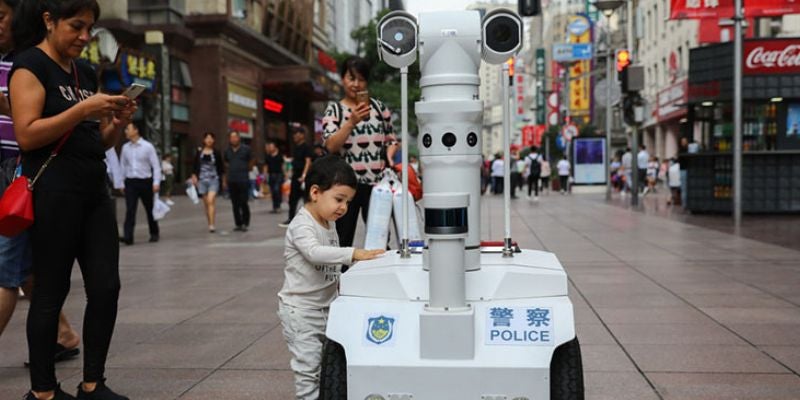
{"x": 361, "y": 132}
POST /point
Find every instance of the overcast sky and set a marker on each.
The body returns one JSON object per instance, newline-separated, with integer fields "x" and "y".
{"x": 415, "y": 6}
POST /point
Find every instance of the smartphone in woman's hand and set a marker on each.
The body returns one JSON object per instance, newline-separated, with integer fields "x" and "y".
{"x": 362, "y": 97}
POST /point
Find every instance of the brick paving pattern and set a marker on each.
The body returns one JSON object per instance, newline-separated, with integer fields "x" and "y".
{"x": 664, "y": 309}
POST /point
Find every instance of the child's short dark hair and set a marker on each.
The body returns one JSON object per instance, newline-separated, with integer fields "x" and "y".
{"x": 328, "y": 171}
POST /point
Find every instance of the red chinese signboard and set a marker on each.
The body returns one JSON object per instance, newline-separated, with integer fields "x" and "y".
{"x": 532, "y": 135}
{"x": 326, "y": 61}
{"x": 697, "y": 9}
{"x": 778, "y": 56}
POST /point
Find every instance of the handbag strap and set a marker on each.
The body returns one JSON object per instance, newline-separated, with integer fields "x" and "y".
{"x": 64, "y": 138}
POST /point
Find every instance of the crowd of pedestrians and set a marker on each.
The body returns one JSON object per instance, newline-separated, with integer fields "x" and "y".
{"x": 532, "y": 169}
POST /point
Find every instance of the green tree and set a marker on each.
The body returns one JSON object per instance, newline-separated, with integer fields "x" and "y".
{"x": 384, "y": 80}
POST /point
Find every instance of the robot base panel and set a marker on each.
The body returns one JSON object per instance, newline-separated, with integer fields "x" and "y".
{"x": 519, "y": 314}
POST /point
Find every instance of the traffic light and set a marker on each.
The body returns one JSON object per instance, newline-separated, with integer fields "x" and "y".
{"x": 510, "y": 63}
{"x": 623, "y": 58}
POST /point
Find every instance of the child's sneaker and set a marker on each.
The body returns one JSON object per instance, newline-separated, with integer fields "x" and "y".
{"x": 100, "y": 392}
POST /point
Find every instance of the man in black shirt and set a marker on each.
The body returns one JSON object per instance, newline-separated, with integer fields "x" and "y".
{"x": 301, "y": 162}
{"x": 273, "y": 169}
{"x": 238, "y": 162}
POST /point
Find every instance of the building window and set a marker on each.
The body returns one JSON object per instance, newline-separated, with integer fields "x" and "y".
{"x": 239, "y": 9}
{"x": 319, "y": 12}
{"x": 181, "y": 81}
{"x": 655, "y": 75}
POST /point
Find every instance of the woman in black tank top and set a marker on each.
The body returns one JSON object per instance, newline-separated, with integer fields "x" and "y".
{"x": 53, "y": 93}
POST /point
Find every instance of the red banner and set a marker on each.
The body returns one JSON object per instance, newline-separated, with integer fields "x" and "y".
{"x": 775, "y": 56}
{"x": 698, "y": 9}
{"x": 532, "y": 135}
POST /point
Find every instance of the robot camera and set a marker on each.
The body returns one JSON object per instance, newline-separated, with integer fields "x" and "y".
{"x": 501, "y": 31}
{"x": 397, "y": 39}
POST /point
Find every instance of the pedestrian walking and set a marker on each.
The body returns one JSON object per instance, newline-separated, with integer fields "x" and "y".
{"x": 273, "y": 170}
{"x": 498, "y": 172}
{"x": 53, "y": 99}
{"x": 359, "y": 128}
{"x": 238, "y": 163}
{"x": 301, "y": 162}
{"x": 615, "y": 169}
{"x": 563, "y": 168}
{"x": 627, "y": 170}
{"x": 207, "y": 176}
{"x": 642, "y": 159}
{"x": 142, "y": 171}
{"x": 674, "y": 182}
{"x": 652, "y": 175}
{"x": 545, "y": 174}
{"x": 516, "y": 174}
{"x": 314, "y": 261}
{"x": 167, "y": 179}
{"x": 533, "y": 167}
{"x": 15, "y": 252}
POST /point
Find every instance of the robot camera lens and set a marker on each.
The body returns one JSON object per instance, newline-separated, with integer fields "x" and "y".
{"x": 502, "y": 34}
{"x": 472, "y": 139}
{"x": 427, "y": 141}
{"x": 401, "y": 33}
{"x": 449, "y": 139}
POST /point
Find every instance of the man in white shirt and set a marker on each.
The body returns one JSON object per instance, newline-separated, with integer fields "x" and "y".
{"x": 642, "y": 158}
{"x": 498, "y": 171}
{"x": 563, "y": 167}
{"x": 140, "y": 164}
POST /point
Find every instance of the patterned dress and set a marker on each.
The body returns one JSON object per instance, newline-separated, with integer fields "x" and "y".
{"x": 364, "y": 149}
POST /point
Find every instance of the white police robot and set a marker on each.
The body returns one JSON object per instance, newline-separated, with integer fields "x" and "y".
{"x": 454, "y": 322}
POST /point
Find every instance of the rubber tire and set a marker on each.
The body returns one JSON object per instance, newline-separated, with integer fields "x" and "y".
{"x": 333, "y": 377}
{"x": 566, "y": 372}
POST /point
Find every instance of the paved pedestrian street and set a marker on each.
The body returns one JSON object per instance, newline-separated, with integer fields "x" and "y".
{"x": 664, "y": 309}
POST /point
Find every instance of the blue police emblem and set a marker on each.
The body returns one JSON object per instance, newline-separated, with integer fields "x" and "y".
{"x": 380, "y": 329}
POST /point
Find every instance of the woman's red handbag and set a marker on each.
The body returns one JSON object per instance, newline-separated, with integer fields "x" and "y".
{"x": 16, "y": 208}
{"x": 16, "y": 205}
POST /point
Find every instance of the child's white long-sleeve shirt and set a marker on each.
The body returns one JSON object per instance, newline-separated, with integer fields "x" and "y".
{"x": 313, "y": 263}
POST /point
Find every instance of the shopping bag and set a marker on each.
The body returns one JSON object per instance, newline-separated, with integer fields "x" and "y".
{"x": 160, "y": 209}
{"x": 379, "y": 216}
{"x": 191, "y": 192}
{"x": 413, "y": 219}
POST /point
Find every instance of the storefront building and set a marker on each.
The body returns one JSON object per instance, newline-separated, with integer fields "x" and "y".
{"x": 253, "y": 84}
{"x": 669, "y": 113}
{"x": 155, "y": 58}
{"x": 771, "y": 127}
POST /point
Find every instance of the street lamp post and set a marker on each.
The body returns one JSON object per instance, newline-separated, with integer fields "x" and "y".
{"x": 737, "y": 117}
{"x": 608, "y": 7}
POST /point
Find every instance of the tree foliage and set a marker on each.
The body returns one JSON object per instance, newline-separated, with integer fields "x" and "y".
{"x": 384, "y": 80}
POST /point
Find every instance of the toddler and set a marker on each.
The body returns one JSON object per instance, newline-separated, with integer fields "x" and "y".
{"x": 313, "y": 265}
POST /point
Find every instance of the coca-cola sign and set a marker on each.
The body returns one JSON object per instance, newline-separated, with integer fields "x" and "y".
{"x": 780, "y": 56}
